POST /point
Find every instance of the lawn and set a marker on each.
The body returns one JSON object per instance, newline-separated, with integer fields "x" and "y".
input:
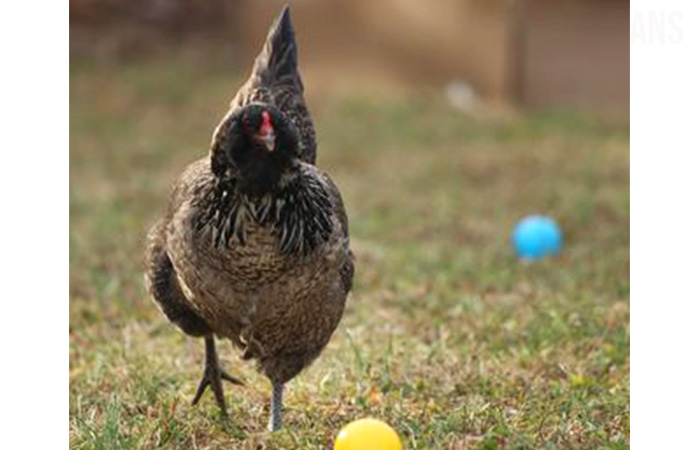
{"x": 446, "y": 335}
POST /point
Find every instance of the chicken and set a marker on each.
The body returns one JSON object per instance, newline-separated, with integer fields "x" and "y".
{"x": 254, "y": 245}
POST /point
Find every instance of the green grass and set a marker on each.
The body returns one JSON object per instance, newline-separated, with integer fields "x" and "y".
{"x": 446, "y": 336}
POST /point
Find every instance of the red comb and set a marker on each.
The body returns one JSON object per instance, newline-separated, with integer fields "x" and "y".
{"x": 266, "y": 126}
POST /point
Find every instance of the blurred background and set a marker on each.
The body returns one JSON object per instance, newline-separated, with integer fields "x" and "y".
{"x": 540, "y": 53}
{"x": 443, "y": 123}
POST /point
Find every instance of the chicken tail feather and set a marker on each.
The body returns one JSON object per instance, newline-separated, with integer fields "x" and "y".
{"x": 277, "y": 62}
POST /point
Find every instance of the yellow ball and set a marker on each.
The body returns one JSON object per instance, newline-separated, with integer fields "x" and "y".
{"x": 367, "y": 434}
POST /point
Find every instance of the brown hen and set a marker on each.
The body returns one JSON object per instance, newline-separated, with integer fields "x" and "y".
{"x": 254, "y": 245}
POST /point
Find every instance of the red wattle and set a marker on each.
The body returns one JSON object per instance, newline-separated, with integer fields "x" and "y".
{"x": 266, "y": 126}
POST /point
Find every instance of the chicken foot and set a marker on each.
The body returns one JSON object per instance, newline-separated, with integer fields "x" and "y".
{"x": 213, "y": 375}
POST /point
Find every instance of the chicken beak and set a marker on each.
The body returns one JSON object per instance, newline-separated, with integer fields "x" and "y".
{"x": 269, "y": 140}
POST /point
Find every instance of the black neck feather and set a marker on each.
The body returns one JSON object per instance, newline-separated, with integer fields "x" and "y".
{"x": 299, "y": 214}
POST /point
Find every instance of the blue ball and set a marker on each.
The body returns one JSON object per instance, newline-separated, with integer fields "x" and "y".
{"x": 536, "y": 237}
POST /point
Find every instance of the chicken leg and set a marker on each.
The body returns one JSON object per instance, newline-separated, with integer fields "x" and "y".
{"x": 275, "y": 421}
{"x": 213, "y": 375}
